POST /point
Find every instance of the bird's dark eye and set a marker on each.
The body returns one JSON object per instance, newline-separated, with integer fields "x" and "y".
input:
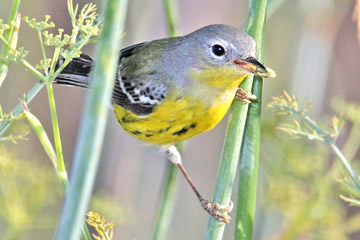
{"x": 218, "y": 50}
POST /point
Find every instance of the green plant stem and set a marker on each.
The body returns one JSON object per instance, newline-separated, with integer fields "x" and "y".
{"x": 26, "y": 66}
{"x": 353, "y": 142}
{"x": 166, "y": 206}
{"x": 248, "y": 170}
{"x": 168, "y": 194}
{"x": 234, "y": 133}
{"x": 3, "y": 66}
{"x": 345, "y": 164}
{"x": 88, "y": 147}
{"x": 43, "y": 52}
{"x": 249, "y": 157}
{"x": 171, "y": 17}
{"x": 61, "y": 170}
{"x": 54, "y": 118}
{"x": 228, "y": 165}
{"x": 12, "y": 17}
{"x": 349, "y": 149}
{"x": 57, "y": 139}
{"x": 43, "y": 138}
{"x": 53, "y": 62}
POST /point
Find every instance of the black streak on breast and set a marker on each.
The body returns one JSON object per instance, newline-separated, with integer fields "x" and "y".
{"x": 184, "y": 130}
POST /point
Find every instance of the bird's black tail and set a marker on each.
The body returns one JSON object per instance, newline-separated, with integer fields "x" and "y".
{"x": 76, "y": 73}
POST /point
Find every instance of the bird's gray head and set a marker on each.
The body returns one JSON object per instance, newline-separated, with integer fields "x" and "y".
{"x": 221, "y": 45}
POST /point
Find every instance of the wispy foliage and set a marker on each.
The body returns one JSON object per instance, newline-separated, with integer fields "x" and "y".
{"x": 299, "y": 175}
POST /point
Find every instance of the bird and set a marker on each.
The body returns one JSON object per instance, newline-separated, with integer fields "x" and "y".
{"x": 172, "y": 89}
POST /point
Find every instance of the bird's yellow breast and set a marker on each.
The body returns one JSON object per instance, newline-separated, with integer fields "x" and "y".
{"x": 180, "y": 116}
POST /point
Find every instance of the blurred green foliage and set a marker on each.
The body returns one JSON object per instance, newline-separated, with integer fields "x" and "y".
{"x": 106, "y": 205}
{"x": 299, "y": 177}
{"x": 27, "y": 187}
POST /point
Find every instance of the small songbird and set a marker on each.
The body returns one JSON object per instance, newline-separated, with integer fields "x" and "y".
{"x": 173, "y": 89}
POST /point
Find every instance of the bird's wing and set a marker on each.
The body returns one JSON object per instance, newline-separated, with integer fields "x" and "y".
{"x": 141, "y": 84}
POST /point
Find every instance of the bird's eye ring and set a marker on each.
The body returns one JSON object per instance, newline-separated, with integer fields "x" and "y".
{"x": 218, "y": 50}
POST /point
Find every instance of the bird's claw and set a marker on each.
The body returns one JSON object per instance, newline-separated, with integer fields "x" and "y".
{"x": 214, "y": 208}
{"x": 243, "y": 96}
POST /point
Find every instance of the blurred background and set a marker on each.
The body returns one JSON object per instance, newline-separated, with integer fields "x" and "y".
{"x": 313, "y": 47}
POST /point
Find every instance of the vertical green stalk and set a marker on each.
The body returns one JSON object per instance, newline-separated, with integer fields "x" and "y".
{"x": 55, "y": 123}
{"x": 89, "y": 144}
{"x": 249, "y": 157}
{"x": 235, "y": 131}
{"x": 168, "y": 194}
{"x": 7, "y": 35}
{"x": 248, "y": 170}
{"x": 166, "y": 206}
{"x": 228, "y": 165}
{"x": 43, "y": 53}
{"x": 61, "y": 171}
{"x": 171, "y": 17}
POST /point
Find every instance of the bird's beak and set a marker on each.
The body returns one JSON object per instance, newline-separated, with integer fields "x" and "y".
{"x": 253, "y": 66}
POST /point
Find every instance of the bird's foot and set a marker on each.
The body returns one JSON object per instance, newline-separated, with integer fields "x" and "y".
{"x": 214, "y": 210}
{"x": 243, "y": 96}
